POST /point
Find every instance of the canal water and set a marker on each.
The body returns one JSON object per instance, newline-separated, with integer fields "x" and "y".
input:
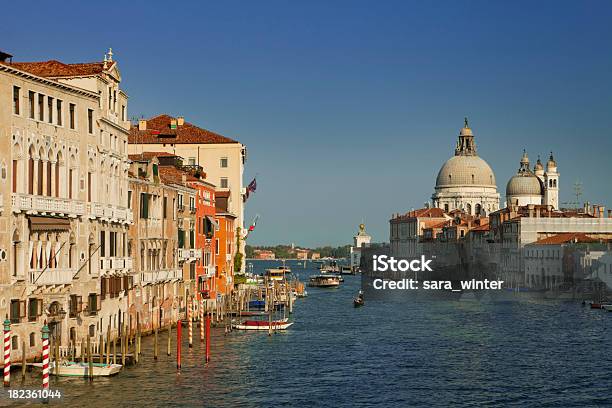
{"x": 388, "y": 353}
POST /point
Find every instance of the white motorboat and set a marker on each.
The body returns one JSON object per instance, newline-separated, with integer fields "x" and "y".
{"x": 263, "y": 325}
{"x": 324, "y": 281}
{"x": 77, "y": 369}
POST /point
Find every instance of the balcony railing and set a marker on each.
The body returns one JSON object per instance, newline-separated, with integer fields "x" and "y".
{"x": 189, "y": 254}
{"x": 161, "y": 275}
{"x": 109, "y": 212}
{"x": 42, "y": 204}
{"x": 112, "y": 264}
{"x": 51, "y": 276}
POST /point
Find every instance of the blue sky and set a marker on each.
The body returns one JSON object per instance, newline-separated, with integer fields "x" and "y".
{"x": 349, "y": 108}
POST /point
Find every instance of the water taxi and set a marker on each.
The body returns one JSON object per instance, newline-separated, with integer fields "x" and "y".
{"x": 324, "y": 281}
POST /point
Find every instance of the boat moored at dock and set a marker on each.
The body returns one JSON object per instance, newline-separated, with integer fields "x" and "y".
{"x": 79, "y": 369}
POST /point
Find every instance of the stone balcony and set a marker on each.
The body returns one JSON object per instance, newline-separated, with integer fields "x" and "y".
{"x": 115, "y": 264}
{"x": 49, "y": 276}
{"x": 35, "y": 204}
{"x": 109, "y": 213}
{"x": 192, "y": 254}
{"x": 162, "y": 275}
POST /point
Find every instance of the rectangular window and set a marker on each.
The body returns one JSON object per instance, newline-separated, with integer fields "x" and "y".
{"x": 76, "y": 305}
{"x": 181, "y": 238}
{"x": 50, "y": 108}
{"x": 192, "y": 161}
{"x": 129, "y": 199}
{"x": 17, "y": 310}
{"x": 224, "y": 162}
{"x": 34, "y": 309}
{"x": 92, "y": 304}
{"x": 224, "y": 183}
{"x": 144, "y": 205}
{"x": 16, "y": 92}
{"x": 102, "y": 243}
{"x": 32, "y": 104}
{"x": 41, "y": 107}
{"x": 90, "y": 121}
{"x": 191, "y": 238}
{"x": 217, "y": 246}
{"x": 71, "y": 109}
{"x": 123, "y": 113}
{"x": 165, "y": 207}
{"x": 59, "y": 113}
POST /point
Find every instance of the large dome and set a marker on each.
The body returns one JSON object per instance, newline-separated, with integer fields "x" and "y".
{"x": 525, "y": 184}
{"x": 465, "y": 171}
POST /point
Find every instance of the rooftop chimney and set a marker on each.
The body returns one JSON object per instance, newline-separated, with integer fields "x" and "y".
{"x": 602, "y": 211}
{"x": 180, "y": 120}
{"x": 142, "y": 124}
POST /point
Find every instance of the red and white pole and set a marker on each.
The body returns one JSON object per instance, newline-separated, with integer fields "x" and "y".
{"x": 179, "y": 330}
{"x": 7, "y": 352}
{"x": 207, "y": 337}
{"x": 45, "y": 356}
{"x": 202, "y": 320}
{"x": 190, "y": 322}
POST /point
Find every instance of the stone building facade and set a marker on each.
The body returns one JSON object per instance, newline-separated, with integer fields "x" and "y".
{"x": 63, "y": 195}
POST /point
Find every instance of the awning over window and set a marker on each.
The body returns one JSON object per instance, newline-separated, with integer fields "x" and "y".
{"x": 49, "y": 224}
{"x": 213, "y": 221}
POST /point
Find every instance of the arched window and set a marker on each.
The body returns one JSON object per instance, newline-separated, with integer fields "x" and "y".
{"x": 478, "y": 209}
{"x": 445, "y": 207}
{"x": 472, "y": 179}
{"x": 15, "y": 342}
{"x": 32, "y": 339}
{"x": 468, "y": 209}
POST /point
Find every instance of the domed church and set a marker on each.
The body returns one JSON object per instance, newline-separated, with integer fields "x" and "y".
{"x": 466, "y": 181}
{"x": 534, "y": 187}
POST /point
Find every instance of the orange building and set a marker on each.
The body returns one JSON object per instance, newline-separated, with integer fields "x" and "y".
{"x": 206, "y": 225}
{"x": 225, "y": 244}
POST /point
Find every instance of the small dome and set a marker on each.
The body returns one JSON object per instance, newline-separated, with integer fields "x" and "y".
{"x": 466, "y": 131}
{"x": 538, "y": 166}
{"x": 465, "y": 170}
{"x": 551, "y": 161}
{"x": 524, "y": 184}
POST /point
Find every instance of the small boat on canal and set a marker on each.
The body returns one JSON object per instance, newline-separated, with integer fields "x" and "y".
{"x": 263, "y": 325}
{"x": 324, "y": 281}
{"x": 358, "y": 301}
{"x": 79, "y": 369}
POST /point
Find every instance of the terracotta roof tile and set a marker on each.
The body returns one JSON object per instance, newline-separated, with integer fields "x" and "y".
{"x": 170, "y": 174}
{"x": 149, "y": 155}
{"x": 568, "y": 237}
{"x": 158, "y": 131}
{"x": 55, "y": 69}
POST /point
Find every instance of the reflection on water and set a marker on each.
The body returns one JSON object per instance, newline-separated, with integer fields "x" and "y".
{"x": 388, "y": 353}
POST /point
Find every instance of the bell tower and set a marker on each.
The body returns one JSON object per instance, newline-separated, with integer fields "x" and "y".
{"x": 551, "y": 182}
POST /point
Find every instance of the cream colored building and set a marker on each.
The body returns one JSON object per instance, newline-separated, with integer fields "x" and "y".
{"x": 222, "y": 158}
{"x": 63, "y": 197}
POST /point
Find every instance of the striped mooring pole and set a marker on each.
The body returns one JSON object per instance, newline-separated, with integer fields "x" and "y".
{"x": 201, "y": 320}
{"x": 207, "y": 337}
{"x": 190, "y": 322}
{"x": 7, "y": 352}
{"x": 45, "y": 356}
